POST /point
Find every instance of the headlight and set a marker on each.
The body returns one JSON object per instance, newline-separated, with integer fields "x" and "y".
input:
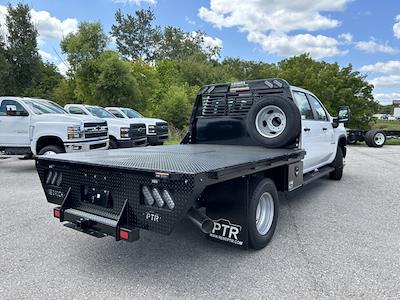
{"x": 152, "y": 129}
{"x": 74, "y": 132}
{"x": 124, "y": 132}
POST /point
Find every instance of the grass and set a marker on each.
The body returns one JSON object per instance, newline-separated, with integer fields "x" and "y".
{"x": 386, "y": 125}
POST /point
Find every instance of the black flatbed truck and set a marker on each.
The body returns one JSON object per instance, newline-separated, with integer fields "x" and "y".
{"x": 219, "y": 177}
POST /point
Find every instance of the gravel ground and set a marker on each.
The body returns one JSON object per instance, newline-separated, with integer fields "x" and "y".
{"x": 333, "y": 240}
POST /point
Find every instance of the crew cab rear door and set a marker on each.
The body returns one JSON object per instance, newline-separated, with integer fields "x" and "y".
{"x": 312, "y": 135}
{"x": 328, "y": 135}
{"x": 14, "y": 127}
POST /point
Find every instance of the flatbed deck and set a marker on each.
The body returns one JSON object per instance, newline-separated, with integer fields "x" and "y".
{"x": 181, "y": 159}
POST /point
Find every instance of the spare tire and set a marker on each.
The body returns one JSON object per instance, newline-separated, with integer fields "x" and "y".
{"x": 274, "y": 122}
{"x": 375, "y": 138}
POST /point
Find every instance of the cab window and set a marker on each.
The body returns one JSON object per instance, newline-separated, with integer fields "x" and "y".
{"x": 76, "y": 111}
{"x": 11, "y": 105}
{"x": 320, "y": 113}
{"x": 116, "y": 113}
{"x": 303, "y": 105}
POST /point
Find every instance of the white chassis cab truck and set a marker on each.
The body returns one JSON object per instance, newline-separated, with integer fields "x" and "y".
{"x": 156, "y": 129}
{"x": 246, "y": 141}
{"x": 31, "y": 126}
{"x": 123, "y": 133}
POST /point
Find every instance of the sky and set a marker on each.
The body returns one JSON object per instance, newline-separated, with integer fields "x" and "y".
{"x": 364, "y": 33}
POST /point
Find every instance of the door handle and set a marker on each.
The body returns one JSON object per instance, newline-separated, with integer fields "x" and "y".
{"x": 324, "y": 129}
{"x": 307, "y": 129}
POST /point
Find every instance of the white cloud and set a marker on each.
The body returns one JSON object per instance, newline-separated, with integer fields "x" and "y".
{"x": 49, "y": 27}
{"x": 372, "y": 46}
{"x": 389, "y": 67}
{"x": 387, "y": 98}
{"x": 282, "y": 44}
{"x": 396, "y": 27}
{"x": 386, "y": 81}
{"x": 63, "y": 68}
{"x": 265, "y": 20}
{"x": 136, "y": 2}
{"x": 346, "y": 38}
{"x": 46, "y": 55}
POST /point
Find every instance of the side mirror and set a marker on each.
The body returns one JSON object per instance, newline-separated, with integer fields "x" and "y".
{"x": 11, "y": 110}
{"x": 344, "y": 114}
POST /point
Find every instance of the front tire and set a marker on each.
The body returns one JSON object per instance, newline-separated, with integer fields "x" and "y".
{"x": 51, "y": 150}
{"x": 113, "y": 144}
{"x": 338, "y": 164}
{"x": 263, "y": 214}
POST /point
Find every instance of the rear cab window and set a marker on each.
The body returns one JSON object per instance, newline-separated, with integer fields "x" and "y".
{"x": 8, "y": 105}
{"x": 303, "y": 105}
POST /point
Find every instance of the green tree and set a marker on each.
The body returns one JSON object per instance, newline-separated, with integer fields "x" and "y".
{"x": 22, "y": 51}
{"x": 84, "y": 45}
{"x": 46, "y": 81}
{"x": 174, "y": 106}
{"x": 5, "y": 67}
{"x": 334, "y": 86}
{"x": 136, "y": 37}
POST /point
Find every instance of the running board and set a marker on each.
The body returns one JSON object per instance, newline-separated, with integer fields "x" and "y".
{"x": 310, "y": 177}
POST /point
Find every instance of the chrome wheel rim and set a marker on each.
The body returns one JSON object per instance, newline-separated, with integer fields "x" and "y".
{"x": 379, "y": 139}
{"x": 270, "y": 121}
{"x": 49, "y": 153}
{"x": 265, "y": 213}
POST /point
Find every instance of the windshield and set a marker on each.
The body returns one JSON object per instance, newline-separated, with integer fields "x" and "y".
{"x": 53, "y": 106}
{"x": 41, "y": 107}
{"x": 132, "y": 114}
{"x": 99, "y": 112}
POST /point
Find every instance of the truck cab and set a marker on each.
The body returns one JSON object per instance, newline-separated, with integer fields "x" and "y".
{"x": 31, "y": 126}
{"x": 320, "y": 135}
{"x": 156, "y": 129}
{"x": 123, "y": 133}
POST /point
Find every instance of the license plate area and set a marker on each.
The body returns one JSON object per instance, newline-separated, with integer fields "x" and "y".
{"x": 97, "y": 196}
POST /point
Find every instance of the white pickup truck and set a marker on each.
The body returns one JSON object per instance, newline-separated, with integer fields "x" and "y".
{"x": 156, "y": 129}
{"x": 36, "y": 127}
{"x": 246, "y": 141}
{"x": 123, "y": 133}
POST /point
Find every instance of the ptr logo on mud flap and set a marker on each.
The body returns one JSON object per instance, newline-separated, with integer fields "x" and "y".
{"x": 225, "y": 231}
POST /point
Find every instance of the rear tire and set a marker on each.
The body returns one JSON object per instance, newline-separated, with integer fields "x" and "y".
{"x": 274, "y": 122}
{"x": 51, "y": 150}
{"x": 338, "y": 164}
{"x": 263, "y": 214}
{"x": 375, "y": 138}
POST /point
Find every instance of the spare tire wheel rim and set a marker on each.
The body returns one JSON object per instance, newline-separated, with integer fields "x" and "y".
{"x": 379, "y": 139}
{"x": 270, "y": 121}
{"x": 265, "y": 212}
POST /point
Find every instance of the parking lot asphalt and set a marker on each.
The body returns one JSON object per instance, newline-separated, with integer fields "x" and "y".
{"x": 333, "y": 240}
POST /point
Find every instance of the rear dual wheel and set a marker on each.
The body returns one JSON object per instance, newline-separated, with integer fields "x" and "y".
{"x": 375, "y": 138}
{"x": 263, "y": 214}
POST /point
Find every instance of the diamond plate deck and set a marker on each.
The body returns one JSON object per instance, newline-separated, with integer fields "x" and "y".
{"x": 183, "y": 159}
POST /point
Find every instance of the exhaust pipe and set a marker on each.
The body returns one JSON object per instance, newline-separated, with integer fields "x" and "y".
{"x": 200, "y": 220}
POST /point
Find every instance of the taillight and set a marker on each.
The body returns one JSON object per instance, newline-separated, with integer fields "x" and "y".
{"x": 156, "y": 197}
{"x": 57, "y": 212}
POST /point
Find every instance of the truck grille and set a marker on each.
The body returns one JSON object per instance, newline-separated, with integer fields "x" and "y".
{"x": 96, "y": 130}
{"x": 214, "y": 105}
{"x": 137, "y": 131}
{"x": 161, "y": 128}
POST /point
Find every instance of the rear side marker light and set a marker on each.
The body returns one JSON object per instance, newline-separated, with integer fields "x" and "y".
{"x": 124, "y": 235}
{"x": 57, "y": 213}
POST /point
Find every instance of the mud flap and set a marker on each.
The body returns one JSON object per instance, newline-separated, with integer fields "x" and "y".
{"x": 227, "y": 206}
